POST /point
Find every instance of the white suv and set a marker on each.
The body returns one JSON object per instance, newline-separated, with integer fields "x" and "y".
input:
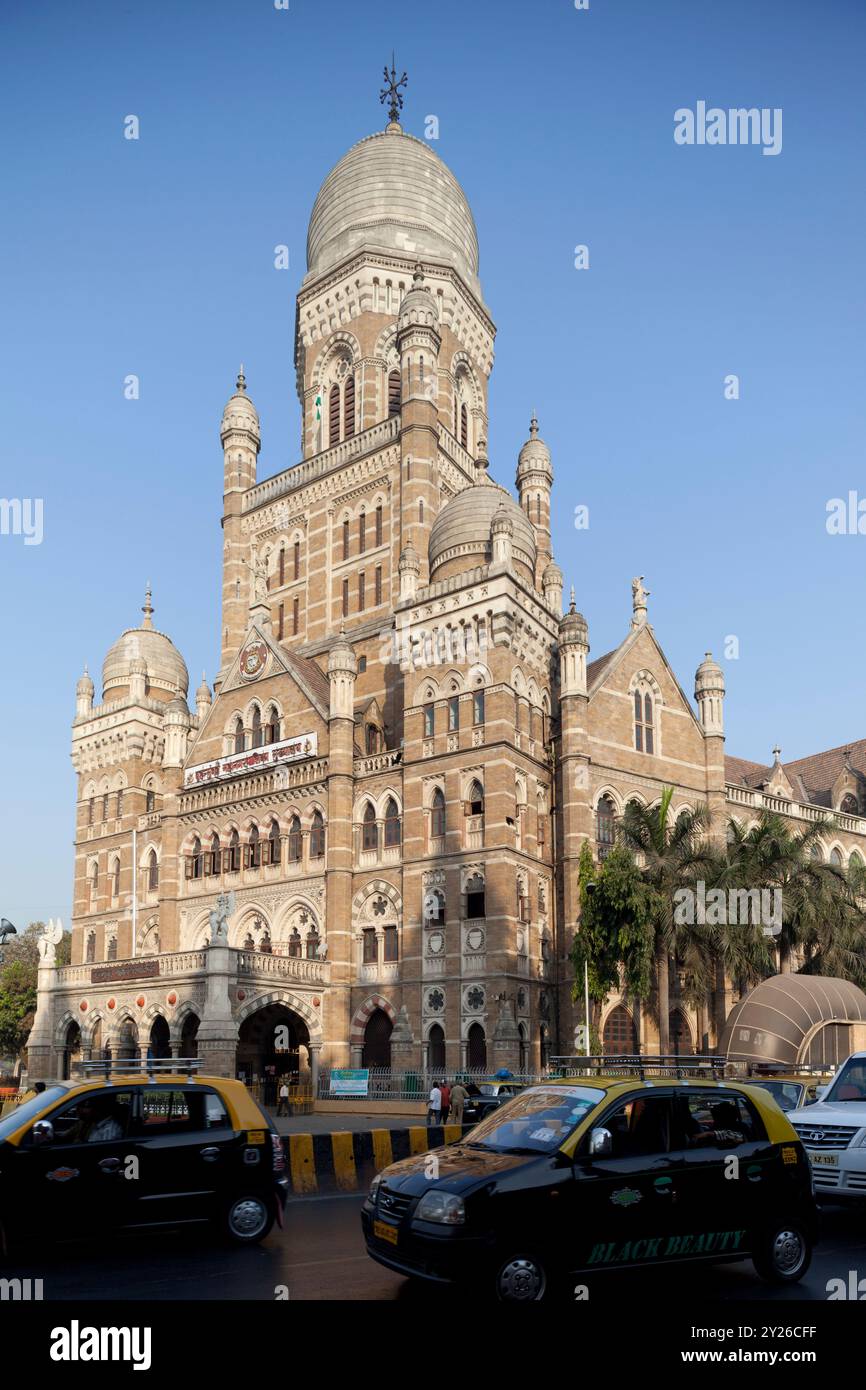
{"x": 833, "y": 1133}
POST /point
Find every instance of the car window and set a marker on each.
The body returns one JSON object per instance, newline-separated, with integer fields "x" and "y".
{"x": 96, "y": 1117}
{"x": 29, "y": 1109}
{"x": 640, "y": 1126}
{"x": 786, "y": 1094}
{"x": 166, "y": 1110}
{"x": 535, "y": 1121}
{"x": 850, "y": 1084}
{"x": 718, "y": 1118}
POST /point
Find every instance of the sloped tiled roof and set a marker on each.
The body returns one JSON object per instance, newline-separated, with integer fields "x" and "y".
{"x": 812, "y": 778}
{"x": 596, "y": 669}
{"x": 315, "y": 678}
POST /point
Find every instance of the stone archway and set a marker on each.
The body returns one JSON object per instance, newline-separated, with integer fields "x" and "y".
{"x": 274, "y": 1043}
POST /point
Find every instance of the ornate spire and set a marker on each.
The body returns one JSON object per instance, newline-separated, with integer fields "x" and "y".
{"x": 392, "y": 93}
{"x": 241, "y": 381}
{"x": 533, "y": 425}
{"x": 147, "y": 609}
{"x": 571, "y": 607}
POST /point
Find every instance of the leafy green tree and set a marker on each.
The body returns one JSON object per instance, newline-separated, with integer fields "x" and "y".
{"x": 18, "y": 986}
{"x": 614, "y": 938}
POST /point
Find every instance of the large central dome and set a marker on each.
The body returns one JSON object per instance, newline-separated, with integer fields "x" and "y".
{"x": 392, "y": 193}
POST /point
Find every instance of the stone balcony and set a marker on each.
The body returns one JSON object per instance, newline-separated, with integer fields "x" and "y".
{"x": 256, "y": 965}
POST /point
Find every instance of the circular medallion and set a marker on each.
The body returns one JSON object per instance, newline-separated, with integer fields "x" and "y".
{"x": 435, "y": 943}
{"x": 83, "y": 1006}
{"x": 242, "y": 994}
{"x": 474, "y": 939}
{"x": 112, "y": 1004}
{"x": 171, "y": 999}
{"x": 316, "y": 1002}
{"x": 252, "y": 660}
{"x": 141, "y": 1001}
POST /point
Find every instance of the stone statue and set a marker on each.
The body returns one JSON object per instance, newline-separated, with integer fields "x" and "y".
{"x": 260, "y": 579}
{"x": 639, "y": 596}
{"x": 402, "y": 1030}
{"x": 48, "y": 940}
{"x": 323, "y": 950}
{"x": 219, "y": 919}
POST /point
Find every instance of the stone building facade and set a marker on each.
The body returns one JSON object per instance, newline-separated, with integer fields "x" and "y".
{"x": 361, "y": 846}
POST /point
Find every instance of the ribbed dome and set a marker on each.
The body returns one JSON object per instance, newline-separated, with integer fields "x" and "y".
{"x": 391, "y": 192}
{"x": 166, "y": 668}
{"x": 462, "y": 528}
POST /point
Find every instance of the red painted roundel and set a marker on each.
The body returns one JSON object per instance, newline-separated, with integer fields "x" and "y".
{"x": 83, "y": 1006}
{"x": 140, "y": 1001}
{"x": 242, "y": 995}
{"x": 172, "y": 999}
{"x": 112, "y": 1003}
{"x": 316, "y": 1002}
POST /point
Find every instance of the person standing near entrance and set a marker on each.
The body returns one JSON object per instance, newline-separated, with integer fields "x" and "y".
{"x": 458, "y": 1100}
{"x": 445, "y": 1092}
{"x": 283, "y": 1107}
{"x": 434, "y": 1105}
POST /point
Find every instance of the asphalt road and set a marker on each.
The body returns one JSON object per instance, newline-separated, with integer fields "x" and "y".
{"x": 320, "y": 1256}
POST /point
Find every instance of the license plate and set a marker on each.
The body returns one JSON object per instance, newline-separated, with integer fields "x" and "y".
{"x": 823, "y": 1160}
{"x": 382, "y": 1231}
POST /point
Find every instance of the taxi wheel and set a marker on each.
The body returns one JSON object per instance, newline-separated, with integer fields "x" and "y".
{"x": 248, "y": 1218}
{"x": 783, "y": 1254}
{"x": 520, "y": 1278}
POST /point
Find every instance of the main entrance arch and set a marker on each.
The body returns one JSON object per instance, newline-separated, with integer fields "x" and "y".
{"x": 270, "y": 1040}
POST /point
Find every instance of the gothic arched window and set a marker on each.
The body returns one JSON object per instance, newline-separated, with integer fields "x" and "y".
{"x": 234, "y": 855}
{"x": 257, "y": 727}
{"x": 194, "y": 863}
{"x": 644, "y": 740}
{"x": 213, "y": 864}
{"x": 272, "y": 728}
{"x": 475, "y": 800}
{"x": 394, "y": 393}
{"x": 295, "y": 943}
{"x": 90, "y": 950}
{"x": 274, "y": 843}
{"x": 464, "y": 426}
{"x": 349, "y": 408}
{"x": 370, "y": 830}
{"x": 111, "y": 952}
{"x": 239, "y": 736}
{"x": 317, "y": 836}
{"x": 294, "y": 850}
{"x": 605, "y": 813}
{"x": 849, "y": 804}
{"x": 115, "y": 878}
{"x": 392, "y": 824}
{"x": 152, "y": 872}
{"x": 437, "y": 814}
{"x": 334, "y": 415}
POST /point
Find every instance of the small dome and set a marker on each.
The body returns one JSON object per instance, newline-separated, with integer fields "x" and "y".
{"x": 342, "y": 656}
{"x": 534, "y": 457}
{"x": 709, "y": 675}
{"x": 163, "y": 663}
{"x": 463, "y": 527}
{"x": 391, "y": 192}
{"x": 240, "y": 415}
{"x": 85, "y": 684}
{"x": 573, "y": 626}
{"x": 552, "y": 574}
{"x": 410, "y": 560}
{"x": 419, "y": 305}
{"x": 202, "y": 695}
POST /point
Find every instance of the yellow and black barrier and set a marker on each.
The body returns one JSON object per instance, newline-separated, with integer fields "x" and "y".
{"x": 345, "y": 1162}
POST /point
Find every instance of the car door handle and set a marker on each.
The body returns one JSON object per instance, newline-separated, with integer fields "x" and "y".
{"x": 209, "y": 1154}
{"x": 109, "y": 1165}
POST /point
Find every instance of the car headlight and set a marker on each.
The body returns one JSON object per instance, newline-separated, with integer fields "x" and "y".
{"x": 861, "y": 1142}
{"x": 374, "y": 1187}
{"x": 443, "y": 1207}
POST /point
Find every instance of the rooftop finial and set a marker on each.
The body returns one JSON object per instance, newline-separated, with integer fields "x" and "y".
{"x": 777, "y": 753}
{"x": 147, "y": 609}
{"x": 242, "y": 381}
{"x": 571, "y": 607}
{"x": 533, "y": 425}
{"x": 392, "y": 93}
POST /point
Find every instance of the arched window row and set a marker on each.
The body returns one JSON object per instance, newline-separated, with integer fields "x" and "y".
{"x": 378, "y": 832}
{"x": 288, "y": 562}
{"x": 269, "y": 844}
{"x": 263, "y": 726}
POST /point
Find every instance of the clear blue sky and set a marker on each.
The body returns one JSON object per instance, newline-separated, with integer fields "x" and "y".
{"x": 155, "y": 257}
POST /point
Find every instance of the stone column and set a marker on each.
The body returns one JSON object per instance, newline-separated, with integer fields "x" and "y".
{"x": 218, "y": 1031}
{"x": 42, "y": 1064}
{"x": 506, "y": 1038}
{"x": 314, "y": 1049}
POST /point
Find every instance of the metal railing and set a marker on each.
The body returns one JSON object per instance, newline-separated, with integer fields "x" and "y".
{"x": 416, "y": 1083}
{"x": 671, "y": 1064}
{"x": 152, "y": 1067}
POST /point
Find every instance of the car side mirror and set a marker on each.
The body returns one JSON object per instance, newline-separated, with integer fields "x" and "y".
{"x": 43, "y": 1132}
{"x": 600, "y": 1143}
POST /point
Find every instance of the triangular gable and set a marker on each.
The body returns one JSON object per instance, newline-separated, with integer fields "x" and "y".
{"x": 606, "y": 666}
{"x": 278, "y": 662}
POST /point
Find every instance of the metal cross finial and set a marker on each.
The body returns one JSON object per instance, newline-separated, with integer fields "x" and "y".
{"x": 392, "y": 93}
{"x": 147, "y": 608}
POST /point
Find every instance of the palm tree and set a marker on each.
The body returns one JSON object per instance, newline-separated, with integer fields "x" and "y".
{"x": 672, "y": 856}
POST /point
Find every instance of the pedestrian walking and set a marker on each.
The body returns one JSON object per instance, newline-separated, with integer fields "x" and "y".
{"x": 459, "y": 1094}
{"x": 283, "y": 1107}
{"x": 434, "y": 1105}
{"x": 445, "y": 1092}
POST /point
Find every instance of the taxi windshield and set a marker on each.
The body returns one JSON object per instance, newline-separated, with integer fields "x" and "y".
{"x": 850, "y": 1084}
{"x": 28, "y": 1110}
{"x": 536, "y": 1121}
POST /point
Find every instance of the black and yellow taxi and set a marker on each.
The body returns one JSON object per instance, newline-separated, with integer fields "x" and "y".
{"x": 576, "y": 1176}
{"x": 162, "y": 1145}
{"x": 791, "y": 1090}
